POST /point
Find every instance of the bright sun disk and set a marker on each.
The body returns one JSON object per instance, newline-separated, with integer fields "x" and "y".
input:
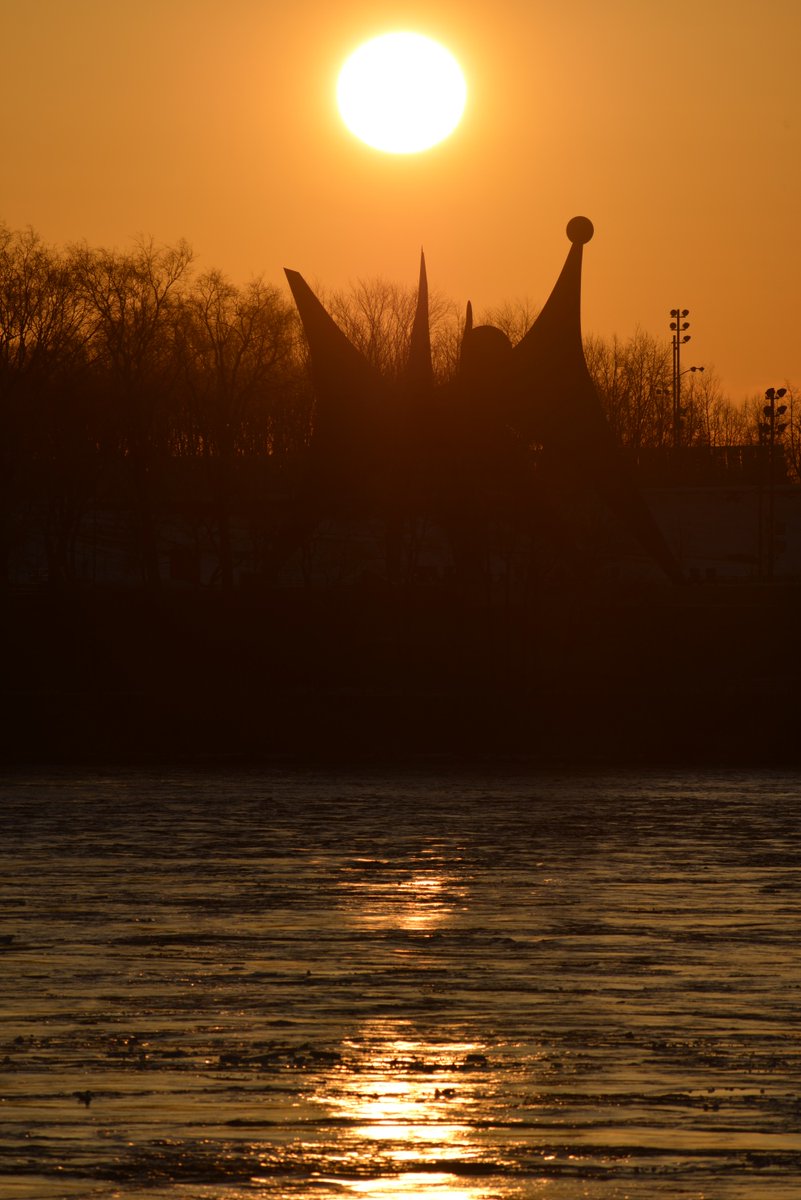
{"x": 401, "y": 93}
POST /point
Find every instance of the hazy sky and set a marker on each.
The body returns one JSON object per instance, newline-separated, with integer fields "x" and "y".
{"x": 675, "y": 126}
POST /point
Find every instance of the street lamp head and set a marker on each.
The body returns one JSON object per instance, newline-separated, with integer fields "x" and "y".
{"x": 685, "y": 312}
{"x": 781, "y": 392}
{"x": 770, "y": 393}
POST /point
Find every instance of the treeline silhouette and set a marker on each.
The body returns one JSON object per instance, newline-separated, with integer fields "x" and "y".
{"x": 131, "y": 383}
{"x": 138, "y": 391}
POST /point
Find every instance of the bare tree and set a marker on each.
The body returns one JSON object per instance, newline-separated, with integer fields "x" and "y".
{"x": 634, "y": 383}
{"x": 513, "y": 317}
{"x": 236, "y": 350}
{"x": 792, "y": 436}
{"x": 710, "y": 418}
{"x": 49, "y": 460}
{"x": 377, "y": 317}
{"x": 131, "y": 299}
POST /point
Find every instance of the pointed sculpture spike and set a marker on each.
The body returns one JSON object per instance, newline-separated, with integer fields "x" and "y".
{"x": 556, "y": 402}
{"x": 355, "y": 414}
{"x": 330, "y": 348}
{"x": 556, "y": 332}
{"x": 419, "y": 371}
{"x": 466, "y": 332}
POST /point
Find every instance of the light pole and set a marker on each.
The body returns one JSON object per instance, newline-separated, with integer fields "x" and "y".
{"x": 678, "y": 326}
{"x": 771, "y": 427}
{"x": 686, "y": 371}
{"x": 677, "y": 421}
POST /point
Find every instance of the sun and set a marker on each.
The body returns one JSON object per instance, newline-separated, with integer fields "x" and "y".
{"x": 401, "y": 93}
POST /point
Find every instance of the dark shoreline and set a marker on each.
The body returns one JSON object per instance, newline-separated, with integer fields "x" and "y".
{"x": 689, "y": 676}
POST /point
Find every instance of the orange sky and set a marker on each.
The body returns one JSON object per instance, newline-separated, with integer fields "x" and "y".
{"x": 675, "y": 126}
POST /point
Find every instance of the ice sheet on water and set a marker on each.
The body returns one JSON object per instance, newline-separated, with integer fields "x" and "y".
{"x": 439, "y": 984}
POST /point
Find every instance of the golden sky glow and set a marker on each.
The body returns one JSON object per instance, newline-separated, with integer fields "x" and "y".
{"x": 675, "y": 127}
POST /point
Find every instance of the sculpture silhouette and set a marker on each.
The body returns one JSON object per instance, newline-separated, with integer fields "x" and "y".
{"x": 387, "y": 445}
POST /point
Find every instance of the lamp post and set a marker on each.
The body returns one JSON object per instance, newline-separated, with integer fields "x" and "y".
{"x": 771, "y": 427}
{"x": 678, "y": 326}
{"x": 686, "y": 371}
{"x": 677, "y": 420}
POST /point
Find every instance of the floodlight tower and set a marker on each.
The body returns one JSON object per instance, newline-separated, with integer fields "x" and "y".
{"x": 678, "y": 326}
{"x": 771, "y": 427}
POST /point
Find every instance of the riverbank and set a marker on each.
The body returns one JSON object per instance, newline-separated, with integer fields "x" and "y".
{"x": 697, "y": 674}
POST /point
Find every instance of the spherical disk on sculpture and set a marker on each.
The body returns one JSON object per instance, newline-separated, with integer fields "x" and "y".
{"x": 580, "y": 230}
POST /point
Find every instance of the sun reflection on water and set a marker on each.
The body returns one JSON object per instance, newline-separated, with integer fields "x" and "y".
{"x": 419, "y": 903}
{"x": 419, "y": 1184}
{"x": 412, "y": 1103}
{"x": 407, "y": 1110}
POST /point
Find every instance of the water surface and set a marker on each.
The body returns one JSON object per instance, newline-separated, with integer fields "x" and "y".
{"x": 443, "y": 985}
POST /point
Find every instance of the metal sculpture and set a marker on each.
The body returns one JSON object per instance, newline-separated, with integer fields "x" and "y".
{"x": 386, "y": 444}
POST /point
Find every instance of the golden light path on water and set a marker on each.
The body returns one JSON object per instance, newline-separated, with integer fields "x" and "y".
{"x": 422, "y": 903}
{"x": 407, "y": 1118}
{"x": 251, "y": 988}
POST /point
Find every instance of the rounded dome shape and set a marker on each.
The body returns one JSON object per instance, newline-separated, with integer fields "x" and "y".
{"x": 580, "y": 230}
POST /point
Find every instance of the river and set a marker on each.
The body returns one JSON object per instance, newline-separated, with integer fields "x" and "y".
{"x": 459, "y": 985}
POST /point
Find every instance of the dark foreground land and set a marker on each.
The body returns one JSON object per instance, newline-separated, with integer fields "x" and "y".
{"x": 696, "y": 674}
